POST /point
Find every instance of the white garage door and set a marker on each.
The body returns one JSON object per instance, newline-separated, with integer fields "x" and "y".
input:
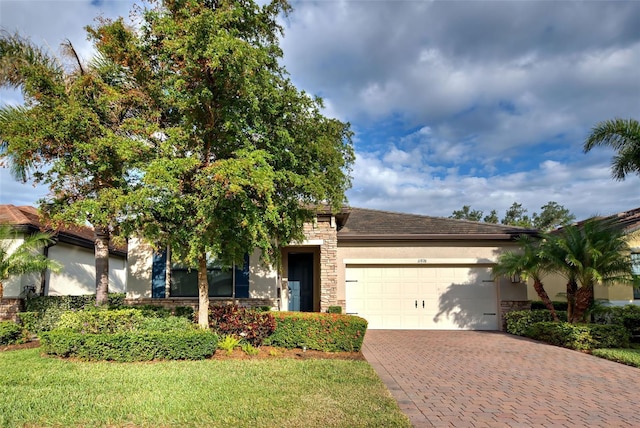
{"x": 423, "y": 297}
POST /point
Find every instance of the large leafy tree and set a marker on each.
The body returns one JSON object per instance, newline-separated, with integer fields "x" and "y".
{"x": 593, "y": 252}
{"x": 26, "y": 257}
{"x": 245, "y": 156}
{"x": 623, "y": 135}
{"x": 552, "y": 216}
{"x": 530, "y": 262}
{"x": 81, "y": 130}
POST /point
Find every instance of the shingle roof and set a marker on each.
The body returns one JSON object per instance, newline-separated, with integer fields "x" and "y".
{"x": 630, "y": 220}
{"x": 28, "y": 217}
{"x": 367, "y": 224}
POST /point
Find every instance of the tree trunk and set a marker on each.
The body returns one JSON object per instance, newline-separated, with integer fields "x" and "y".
{"x": 572, "y": 288}
{"x": 542, "y": 293}
{"x": 102, "y": 266}
{"x": 584, "y": 299}
{"x": 1, "y": 291}
{"x": 203, "y": 293}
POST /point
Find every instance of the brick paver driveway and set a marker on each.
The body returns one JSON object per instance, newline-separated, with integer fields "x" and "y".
{"x": 489, "y": 379}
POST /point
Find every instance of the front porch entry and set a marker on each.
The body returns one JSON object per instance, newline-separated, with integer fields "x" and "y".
{"x": 302, "y": 295}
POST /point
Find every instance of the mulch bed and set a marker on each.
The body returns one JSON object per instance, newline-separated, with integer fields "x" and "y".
{"x": 265, "y": 353}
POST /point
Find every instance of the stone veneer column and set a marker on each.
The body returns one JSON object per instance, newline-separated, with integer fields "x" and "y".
{"x": 325, "y": 229}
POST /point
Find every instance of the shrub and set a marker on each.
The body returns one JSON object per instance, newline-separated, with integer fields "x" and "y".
{"x": 184, "y": 312}
{"x": 11, "y": 333}
{"x": 171, "y": 323}
{"x": 29, "y": 321}
{"x": 152, "y": 311}
{"x": 101, "y": 321}
{"x": 579, "y": 336}
{"x": 318, "y": 331}
{"x": 558, "y": 306}
{"x": 629, "y": 357}
{"x": 334, "y": 310}
{"x": 248, "y": 324}
{"x": 48, "y": 309}
{"x": 627, "y": 316}
{"x": 519, "y": 321}
{"x": 131, "y": 346}
{"x": 229, "y": 343}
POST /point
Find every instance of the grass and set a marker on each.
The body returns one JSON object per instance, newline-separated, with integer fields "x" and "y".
{"x": 630, "y": 357}
{"x": 40, "y": 391}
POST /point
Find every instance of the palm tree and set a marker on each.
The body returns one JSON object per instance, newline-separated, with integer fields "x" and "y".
{"x": 623, "y": 135}
{"x": 529, "y": 262}
{"x": 24, "y": 259}
{"x": 589, "y": 253}
{"x": 80, "y": 131}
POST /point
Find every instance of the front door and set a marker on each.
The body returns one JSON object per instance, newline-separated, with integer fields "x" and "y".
{"x": 301, "y": 282}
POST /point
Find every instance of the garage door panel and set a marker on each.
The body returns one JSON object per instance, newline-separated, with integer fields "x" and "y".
{"x": 461, "y": 297}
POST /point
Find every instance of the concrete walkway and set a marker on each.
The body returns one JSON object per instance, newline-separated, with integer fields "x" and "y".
{"x": 490, "y": 379}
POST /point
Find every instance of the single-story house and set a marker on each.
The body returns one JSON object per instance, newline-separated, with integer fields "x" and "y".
{"x": 399, "y": 271}
{"x": 617, "y": 294}
{"x": 73, "y": 247}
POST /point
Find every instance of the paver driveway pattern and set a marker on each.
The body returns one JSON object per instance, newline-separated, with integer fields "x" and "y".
{"x": 490, "y": 379}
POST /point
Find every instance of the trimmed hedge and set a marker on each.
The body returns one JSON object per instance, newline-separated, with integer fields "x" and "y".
{"x": 318, "y": 331}
{"x": 101, "y": 321}
{"x": 579, "y": 336}
{"x": 11, "y": 333}
{"x": 627, "y": 316}
{"x": 518, "y": 322}
{"x": 131, "y": 346}
{"x": 45, "y": 311}
{"x": 558, "y": 306}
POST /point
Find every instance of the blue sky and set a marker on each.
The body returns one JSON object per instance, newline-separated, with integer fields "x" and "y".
{"x": 453, "y": 103}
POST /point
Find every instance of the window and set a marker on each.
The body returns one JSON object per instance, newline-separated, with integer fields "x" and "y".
{"x": 184, "y": 282}
{"x": 635, "y": 269}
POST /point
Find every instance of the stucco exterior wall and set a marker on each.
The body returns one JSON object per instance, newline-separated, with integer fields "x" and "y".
{"x": 77, "y": 276}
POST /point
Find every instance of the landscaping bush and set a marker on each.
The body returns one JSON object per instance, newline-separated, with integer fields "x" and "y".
{"x": 334, "y": 310}
{"x": 11, "y": 333}
{"x": 318, "y": 331}
{"x": 101, "y": 321}
{"x": 131, "y": 346}
{"x": 518, "y": 322}
{"x": 579, "y": 336}
{"x": 184, "y": 312}
{"x": 630, "y": 357}
{"x": 30, "y": 321}
{"x": 627, "y": 316}
{"x": 558, "y": 306}
{"x": 172, "y": 323}
{"x": 251, "y": 325}
{"x": 151, "y": 311}
{"x": 48, "y": 309}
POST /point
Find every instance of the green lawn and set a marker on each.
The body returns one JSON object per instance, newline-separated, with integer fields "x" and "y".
{"x": 41, "y": 391}
{"x": 630, "y": 357}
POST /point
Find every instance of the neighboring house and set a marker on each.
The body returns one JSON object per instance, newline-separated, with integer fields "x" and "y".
{"x": 617, "y": 294}
{"x": 399, "y": 271}
{"x": 73, "y": 247}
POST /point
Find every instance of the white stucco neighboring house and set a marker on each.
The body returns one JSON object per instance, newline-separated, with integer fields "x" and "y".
{"x": 73, "y": 248}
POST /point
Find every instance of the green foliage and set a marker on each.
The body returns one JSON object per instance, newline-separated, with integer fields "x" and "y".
{"x": 627, "y": 316}
{"x": 318, "y": 331}
{"x": 30, "y": 321}
{"x": 249, "y": 349}
{"x": 579, "y": 336}
{"x": 184, "y": 311}
{"x": 131, "y": 346}
{"x": 466, "y": 213}
{"x": 166, "y": 324}
{"x": 552, "y": 216}
{"x": 11, "y": 333}
{"x": 248, "y": 324}
{"x": 557, "y": 305}
{"x": 101, "y": 321}
{"x": 25, "y": 258}
{"x": 518, "y": 322}
{"x": 630, "y": 357}
{"x": 154, "y": 311}
{"x": 47, "y": 310}
{"x": 516, "y": 216}
{"x": 334, "y": 310}
{"x": 623, "y": 135}
{"x": 229, "y": 342}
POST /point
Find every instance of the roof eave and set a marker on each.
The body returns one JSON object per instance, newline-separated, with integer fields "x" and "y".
{"x": 435, "y": 236}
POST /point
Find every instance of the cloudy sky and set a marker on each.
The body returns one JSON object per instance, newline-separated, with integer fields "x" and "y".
{"x": 452, "y": 102}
